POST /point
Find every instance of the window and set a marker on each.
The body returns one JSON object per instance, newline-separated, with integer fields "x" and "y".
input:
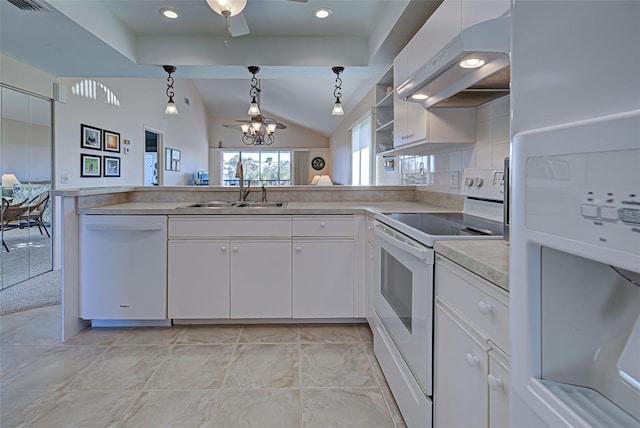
{"x": 261, "y": 167}
{"x": 361, "y": 152}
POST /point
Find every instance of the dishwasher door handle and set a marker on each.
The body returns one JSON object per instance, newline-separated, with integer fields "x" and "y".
{"x": 110, "y": 227}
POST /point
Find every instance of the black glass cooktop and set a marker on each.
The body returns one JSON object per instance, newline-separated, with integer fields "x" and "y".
{"x": 447, "y": 224}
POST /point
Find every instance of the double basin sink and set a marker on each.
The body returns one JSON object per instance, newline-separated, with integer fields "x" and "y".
{"x": 238, "y": 204}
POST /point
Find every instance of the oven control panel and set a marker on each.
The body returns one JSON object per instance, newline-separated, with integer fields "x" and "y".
{"x": 483, "y": 183}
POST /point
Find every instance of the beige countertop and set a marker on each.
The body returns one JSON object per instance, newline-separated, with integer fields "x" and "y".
{"x": 292, "y": 208}
{"x": 488, "y": 259}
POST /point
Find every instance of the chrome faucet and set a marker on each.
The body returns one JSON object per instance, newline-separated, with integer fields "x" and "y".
{"x": 264, "y": 194}
{"x": 240, "y": 175}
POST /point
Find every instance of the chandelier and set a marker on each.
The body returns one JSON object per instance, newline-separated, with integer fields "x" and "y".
{"x": 260, "y": 130}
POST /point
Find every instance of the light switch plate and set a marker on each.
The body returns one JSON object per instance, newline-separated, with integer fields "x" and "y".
{"x": 454, "y": 179}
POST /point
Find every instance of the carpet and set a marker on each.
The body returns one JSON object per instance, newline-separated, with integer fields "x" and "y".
{"x": 39, "y": 291}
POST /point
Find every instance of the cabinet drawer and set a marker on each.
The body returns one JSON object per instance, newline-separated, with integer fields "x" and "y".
{"x": 484, "y": 305}
{"x": 323, "y": 226}
{"x": 229, "y": 226}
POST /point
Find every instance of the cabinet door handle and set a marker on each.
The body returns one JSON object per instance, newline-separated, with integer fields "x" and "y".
{"x": 223, "y": 248}
{"x": 371, "y": 257}
{"x": 235, "y": 249}
{"x": 370, "y": 227}
{"x": 298, "y": 249}
{"x": 323, "y": 224}
{"x": 495, "y": 383}
{"x": 485, "y": 308}
{"x": 472, "y": 360}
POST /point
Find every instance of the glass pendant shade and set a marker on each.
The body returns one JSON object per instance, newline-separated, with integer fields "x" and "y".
{"x": 245, "y": 128}
{"x": 337, "y": 109}
{"x": 171, "y": 107}
{"x": 233, "y": 7}
{"x": 254, "y": 110}
{"x": 271, "y": 128}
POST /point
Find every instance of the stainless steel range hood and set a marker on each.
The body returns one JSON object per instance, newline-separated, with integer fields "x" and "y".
{"x": 448, "y": 84}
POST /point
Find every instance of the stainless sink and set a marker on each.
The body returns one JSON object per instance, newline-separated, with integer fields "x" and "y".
{"x": 238, "y": 204}
{"x": 251, "y": 204}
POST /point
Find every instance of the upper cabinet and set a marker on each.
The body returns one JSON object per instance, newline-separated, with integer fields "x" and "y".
{"x": 409, "y": 119}
{"x": 385, "y": 112}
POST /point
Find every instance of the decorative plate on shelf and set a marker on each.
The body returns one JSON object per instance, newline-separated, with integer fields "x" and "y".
{"x": 317, "y": 163}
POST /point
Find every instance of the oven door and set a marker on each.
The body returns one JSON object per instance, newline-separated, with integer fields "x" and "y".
{"x": 403, "y": 298}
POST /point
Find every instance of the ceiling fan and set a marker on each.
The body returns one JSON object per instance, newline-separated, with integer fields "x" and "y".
{"x": 235, "y": 24}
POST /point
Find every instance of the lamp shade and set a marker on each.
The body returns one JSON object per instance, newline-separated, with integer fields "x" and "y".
{"x": 233, "y": 7}
{"x": 8, "y": 180}
{"x": 324, "y": 180}
{"x": 337, "y": 109}
{"x": 315, "y": 179}
{"x": 171, "y": 107}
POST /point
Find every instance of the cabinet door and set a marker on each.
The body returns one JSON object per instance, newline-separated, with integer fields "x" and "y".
{"x": 261, "y": 279}
{"x": 460, "y": 372}
{"x": 323, "y": 279}
{"x": 198, "y": 279}
{"x": 416, "y": 122}
{"x": 123, "y": 274}
{"x": 498, "y": 380}
{"x": 370, "y": 278}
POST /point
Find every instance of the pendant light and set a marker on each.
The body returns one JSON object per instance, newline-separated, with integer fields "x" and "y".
{"x": 337, "y": 107}
{"x": 254, "y": 92}
{"x": 171, "y": 105}
{"x": 227, "y": 8}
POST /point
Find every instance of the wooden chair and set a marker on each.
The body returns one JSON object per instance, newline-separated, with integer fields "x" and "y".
{"x": 37, "y": 206}
{"x": 11, "y": 216}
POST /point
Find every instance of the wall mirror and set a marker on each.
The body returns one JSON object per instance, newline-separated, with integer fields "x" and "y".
{"x": 172, "y": 158}
{"x": 26, "y": 169}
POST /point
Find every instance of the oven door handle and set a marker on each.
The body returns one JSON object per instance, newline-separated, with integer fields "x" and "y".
{"x": 420, "y": 253}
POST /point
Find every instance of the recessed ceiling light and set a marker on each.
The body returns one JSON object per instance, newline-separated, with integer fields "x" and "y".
{"x": 472, "y": 63}
{"x": 419, "y": 96}
{"x": 169, "y": 13}
{"x": 322, "y": 12}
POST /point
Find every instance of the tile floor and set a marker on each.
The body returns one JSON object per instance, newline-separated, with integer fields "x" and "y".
{"x": 190, "y": 376}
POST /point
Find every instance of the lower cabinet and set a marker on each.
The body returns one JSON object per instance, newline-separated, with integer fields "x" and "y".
{"x": 322, "y": 278}
{"x": 471, "y": 369}
{"x": 261, "y": 279}
{"x": 198, "y": 274}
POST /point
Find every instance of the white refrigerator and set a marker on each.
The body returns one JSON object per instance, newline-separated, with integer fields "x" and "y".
{"x": 575, "y": 214}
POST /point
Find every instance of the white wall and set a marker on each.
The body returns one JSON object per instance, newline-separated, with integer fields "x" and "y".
{"x": 141, "y": 103}
{"x": 340, "y": 143}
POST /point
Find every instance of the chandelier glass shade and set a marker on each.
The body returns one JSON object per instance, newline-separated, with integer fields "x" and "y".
{"x": 171, "y": 105}
{"x": 337, "y": 92}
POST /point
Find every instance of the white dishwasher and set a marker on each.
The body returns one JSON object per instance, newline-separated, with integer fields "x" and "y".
{"x": 123, "y": 273}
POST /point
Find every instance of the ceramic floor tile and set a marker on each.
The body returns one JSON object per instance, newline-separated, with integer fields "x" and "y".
{"x": 192, "y": 367}
{"x": 50, "y": 371}
{"x": 365, "y": 333}
{"x": 172, "y": 409}
{"x": 335, "y": 365}
{"x": 265, "y": 408}
{"x": 269, "y": 334}
{"x": 86, "y": 409}
{"x": 264, "y": 366}
{"x": 149, "y": 336}
{"x": 18, "y": 408}
{"x": 14, "y": 356}
{"x": 208, "y": 334}
{"x": 328, "y": 333}
{"x": 377, "y": 370}
{"x": 396, "y": 416}
{"x": 98, "y": 336}
{"x": 35, "y": 330}
{"x": 120, "y": 367}
{"x": 362, "y": 407}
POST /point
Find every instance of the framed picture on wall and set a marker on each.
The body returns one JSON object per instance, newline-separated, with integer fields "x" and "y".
{"x": 111, "y": 141}
{"x": 90, "y": 165}
{"x": 172, "y": 158}
{"x": 111, "y": 166}
{"x": 90, "y": 137}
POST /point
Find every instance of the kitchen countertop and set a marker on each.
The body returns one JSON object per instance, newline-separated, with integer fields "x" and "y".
{"x": 488, "y": 259}
{"x": 292, "y": 208}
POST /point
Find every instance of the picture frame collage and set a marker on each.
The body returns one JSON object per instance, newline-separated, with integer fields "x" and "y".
{"x": 104, "y": 165}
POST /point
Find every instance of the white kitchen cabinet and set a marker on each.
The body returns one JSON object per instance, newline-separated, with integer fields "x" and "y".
{"x": 198, "y": 279}
{"x": 229, "y": 266}
{"x": 123, "y": 272}
{"x": 409, "y": 118}
{"x": 461, "y": 358}
{"x": 323, "y": 267}
{"x": 370, "y": 270}
{"x": 384, "y": 112}
{"x": 261, "y": 278}
{"x": 471, "y": 368}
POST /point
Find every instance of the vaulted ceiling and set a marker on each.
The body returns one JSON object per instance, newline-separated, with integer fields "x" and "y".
{"x": 295, "y": 50}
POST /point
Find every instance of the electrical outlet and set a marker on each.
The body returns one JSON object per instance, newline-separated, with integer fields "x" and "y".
{"x": 64, "y": 178}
